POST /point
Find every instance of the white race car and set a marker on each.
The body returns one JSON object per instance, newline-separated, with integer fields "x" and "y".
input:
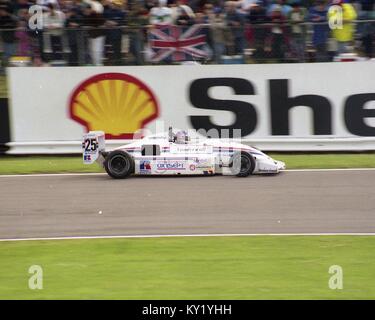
{"x": 176, "y": 153}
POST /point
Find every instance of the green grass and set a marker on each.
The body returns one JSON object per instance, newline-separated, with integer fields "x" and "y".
{"x": 327, "y": 161}
{"x": 3, "y": 87}
{"x": 44, "y": 164}
{"x": 264, "y": 267}
{"x": 47, "y": 164}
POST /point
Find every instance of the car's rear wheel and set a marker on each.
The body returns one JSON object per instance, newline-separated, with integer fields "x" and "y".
{"x": 243, "y": 164}
{"x": 119, "y": 164}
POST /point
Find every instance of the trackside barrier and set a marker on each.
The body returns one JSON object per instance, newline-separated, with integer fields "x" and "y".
{"x": 279, "y": 144}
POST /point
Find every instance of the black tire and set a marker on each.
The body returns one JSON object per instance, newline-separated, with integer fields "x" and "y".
{"x": 246, "y": 163}
{"x": 119, "y": 164}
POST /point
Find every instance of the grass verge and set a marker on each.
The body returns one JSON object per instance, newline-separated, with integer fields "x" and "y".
{"x": 3, "y": 87}
{"x": 261, "y": 267}
{"x": 49, "y": 164}
{"x": 45, "y": 164}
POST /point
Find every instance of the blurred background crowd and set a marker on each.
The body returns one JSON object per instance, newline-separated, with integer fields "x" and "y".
{"x": 123, "y": 32}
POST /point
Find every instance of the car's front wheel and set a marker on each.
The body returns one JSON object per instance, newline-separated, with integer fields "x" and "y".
{"x": 243, "y": 164}
{"x": 119, "y": 164}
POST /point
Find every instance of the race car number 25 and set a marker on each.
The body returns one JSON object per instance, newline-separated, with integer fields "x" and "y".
{"x": 90, "y": 145}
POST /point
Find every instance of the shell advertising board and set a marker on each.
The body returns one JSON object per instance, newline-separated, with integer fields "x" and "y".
{"x": 273, "y": 106}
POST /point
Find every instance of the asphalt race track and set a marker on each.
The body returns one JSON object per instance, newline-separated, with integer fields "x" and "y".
{"x": 96, "y": 205}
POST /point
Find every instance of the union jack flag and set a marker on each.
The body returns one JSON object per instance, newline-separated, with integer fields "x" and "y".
{"x": 176, "y": 43}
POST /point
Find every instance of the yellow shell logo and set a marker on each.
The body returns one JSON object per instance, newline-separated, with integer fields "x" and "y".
{"x": 115, "y": 103}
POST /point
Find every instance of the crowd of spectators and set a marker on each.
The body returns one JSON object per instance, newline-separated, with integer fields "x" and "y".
{"x": 97, "y": 32}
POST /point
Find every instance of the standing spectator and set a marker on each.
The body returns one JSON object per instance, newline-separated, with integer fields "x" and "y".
{"x": 367, "y": 28}
{"x": 9, "y": 5}
{"x": 8, "y": 24}
{"x": 196, "y": 5}
{"x": 94, "y": 21}
{"x": 161, "y": 14}
{"x": 137, "y": 21}
{"x": 46, "y": 3}
{"x": 296, "y": 18}
{"x": 218, "y": 33}
{"x": 54, "y": 22}
{"x": 75, "y": 34}
{"x": 318, "y": 15}
{"x": 182, "y": 14}
{"x": 22, "y": 34}
{"x": 115, "y": 20}
{"x": 235, "y": 21}
{"x": 257, "y": 17}
{"x": 207, "y": 12}
{"x": 277, "y": 39}
{"x": 22, "y": 4}
{"x": 282, "y": 6}
{"x": 147, "y": 5}
{"x": 30, "y": 40}
{"x": 343, "y": 34}
{"x": 246, "y": 6}
{"x": 204, "y": 18}
{"x": 36, "y": 34}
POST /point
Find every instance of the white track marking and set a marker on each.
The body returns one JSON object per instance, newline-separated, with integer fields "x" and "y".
{"x": 42, "y": 175}
{"x": 189, "y": 236}
{"x": 325, "y": 170}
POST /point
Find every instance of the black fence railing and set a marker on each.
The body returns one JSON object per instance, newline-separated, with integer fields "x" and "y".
{"x": 215, "y": 43}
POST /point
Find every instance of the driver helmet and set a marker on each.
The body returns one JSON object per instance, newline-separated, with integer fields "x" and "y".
{"x": 181, "y": 137}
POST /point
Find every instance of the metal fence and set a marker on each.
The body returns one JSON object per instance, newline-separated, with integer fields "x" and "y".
{"x": 217, "y": 43}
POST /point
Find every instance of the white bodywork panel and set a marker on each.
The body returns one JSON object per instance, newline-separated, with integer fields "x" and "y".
{"x": 93, "y": 144}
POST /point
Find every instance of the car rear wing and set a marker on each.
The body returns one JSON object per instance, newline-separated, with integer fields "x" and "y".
{"x": 92, "y": 146}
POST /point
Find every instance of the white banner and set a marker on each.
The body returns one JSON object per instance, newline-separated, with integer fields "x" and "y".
{"x": 317, "y": 106}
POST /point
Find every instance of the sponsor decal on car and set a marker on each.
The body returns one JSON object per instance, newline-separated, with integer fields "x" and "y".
{"x": 192, "y": 167}
{"x": 145, "y": 167}
{"x": 190, "y": 149}
{"x": 203, "y": 163}
{"x": 170, "y": 165}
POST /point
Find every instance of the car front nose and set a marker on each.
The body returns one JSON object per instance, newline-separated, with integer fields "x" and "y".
{"x": 280, "y": 165}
